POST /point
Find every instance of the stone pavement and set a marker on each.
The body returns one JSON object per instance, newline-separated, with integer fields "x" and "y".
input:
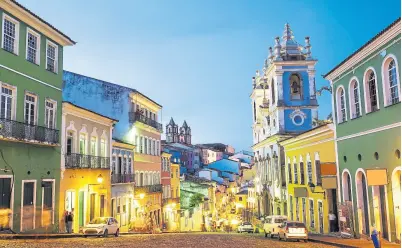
{"x": 344, "y": 242}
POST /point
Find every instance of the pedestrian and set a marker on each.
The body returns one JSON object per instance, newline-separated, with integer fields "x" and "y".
{"x": 375, "y": 238}
{"x": 66, "y": 221}
{"x": 69, "y": 222}
{"x": 332, "y": 222}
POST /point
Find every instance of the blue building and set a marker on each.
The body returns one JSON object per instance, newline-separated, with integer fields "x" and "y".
{"x": 284, "y": 104}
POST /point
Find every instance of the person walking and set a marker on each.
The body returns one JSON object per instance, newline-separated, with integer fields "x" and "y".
{"x": 69, "y": 222}
{"x": 66, "y": 220}
{"x": 332, "y": 222}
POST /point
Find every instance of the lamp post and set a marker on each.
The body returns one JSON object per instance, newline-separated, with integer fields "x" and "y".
{"x": 312, "y": 189}
{"x": 99, "y": 179}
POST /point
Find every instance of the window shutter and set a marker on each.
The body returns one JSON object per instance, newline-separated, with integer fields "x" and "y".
{"x": 318, "y": 172}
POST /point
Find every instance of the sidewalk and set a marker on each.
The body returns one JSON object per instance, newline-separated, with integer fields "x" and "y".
{"x": 342, "y": 242}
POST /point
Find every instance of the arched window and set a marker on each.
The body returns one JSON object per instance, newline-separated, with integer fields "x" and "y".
{"x": 347, "y": 187}
{"x": 390, "y": 80}
{"x": 295, "y": 87}
{"x": 370, "y": 91}
{"x": 273, "y": 91}
{"x": 354, "y": 98}
{"x": 341, "y": 109}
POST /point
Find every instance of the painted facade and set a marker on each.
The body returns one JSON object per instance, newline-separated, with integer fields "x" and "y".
{"x": 367, "y": 112}
{"x": 309, "y": 200}
{"x": 85, "y": 185}
{"x": 31, "y": 70}
{"x": 284, "y": 104}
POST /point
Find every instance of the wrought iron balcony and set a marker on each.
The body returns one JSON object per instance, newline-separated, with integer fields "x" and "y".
{"x": 122, "y": 178}
{"x": 25, "y": 132}
{"x": 148, "y": 188}
{"x": 76, "y": 160}
{"x": 137, "y": 116}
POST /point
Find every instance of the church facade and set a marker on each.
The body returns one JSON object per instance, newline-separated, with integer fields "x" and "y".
{"x": 176, "y": 135}
{"x": 284, "y": 104}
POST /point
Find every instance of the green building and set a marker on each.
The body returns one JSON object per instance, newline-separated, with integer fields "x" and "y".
{"x": 367, "y": 112}
{"x": 31, "y": 71}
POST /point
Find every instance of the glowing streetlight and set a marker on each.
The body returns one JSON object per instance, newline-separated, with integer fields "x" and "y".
{"x": 142, "y": 195}
{"x": 100, "y": 178}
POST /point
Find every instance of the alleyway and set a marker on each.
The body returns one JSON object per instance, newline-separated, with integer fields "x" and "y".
{"x": 164, "y": 240}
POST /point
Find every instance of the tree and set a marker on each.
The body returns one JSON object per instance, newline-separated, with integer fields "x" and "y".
{"x": 196, "y": 199}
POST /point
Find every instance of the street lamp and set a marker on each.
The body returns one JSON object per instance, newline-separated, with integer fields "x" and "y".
{"x": 100, "y": 179}
{"x": 312, "y": 189}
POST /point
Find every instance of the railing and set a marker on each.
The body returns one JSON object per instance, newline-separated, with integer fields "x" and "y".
{"x": 76, "y": 160}
{"x": 23, "y": 131}
{"x": 122, "y": 178}
{"x": 148, "y": 188}
{"x": 136, "y": 116}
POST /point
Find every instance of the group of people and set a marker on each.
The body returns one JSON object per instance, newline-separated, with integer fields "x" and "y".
{"x": 68, "y": 220}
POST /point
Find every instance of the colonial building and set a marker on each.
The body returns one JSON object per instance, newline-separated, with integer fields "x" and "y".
{"x": 284, "y": 104}
{"x": 366, "y": 99}
{"x": 311, "y": 178}
{"x": 31, "y": 71}
{"x": 174, "y": 135}
{"x": 85, "y": 186}
{"x": 138, "y": 126}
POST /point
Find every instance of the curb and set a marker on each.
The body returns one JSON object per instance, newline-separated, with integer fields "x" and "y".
{"x": 330, "y": 243}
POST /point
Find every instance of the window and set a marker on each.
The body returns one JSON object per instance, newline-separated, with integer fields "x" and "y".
{"x": 5, "y": 193}
{"x": 301, "y": 173}
{"x": 255, "y": 113}
{"x": 297, "y": 209}
{"x": 177, "y": 173}
{"x": 83, "y": 144}
{"x": 93, "y": 146}
{"x": 51, "y": 57}
{"x": 6, "y": 103}
{"x": 289, "y": 173}
{"x": 33, "y": 47}
{"x": 295, "y": 87}
{"x": 318, "y": 172}
{"x": 273, "y": 91}
{"x": 103, "y": 148}
{"x": 310, "y": 172}
{"x": 10, "y": 34}
{"x": 354, "y": 96}
{"x": 390, "y": 81}
{"x": 371, "y": 91}
{"x": 393, "y": 82}
{"x": 70, "y": 142}
{"x": 341, "y": 105}
{"x": 295, "y": 173}
{"x": 291, "y": 207}
{"x": 311, "y": 205}
{"x": 146, "y": 146}
{"x": 50, "y": 110}
{"x": 118, "y": 205}
{"x": 240, "y": 198}
{"x": 149, "y": 146}
{"x": 141, "y": 146}
{"x": 304, "y": 210}
{"x": 102, "y": 206}
{"x": 30, "y": 109}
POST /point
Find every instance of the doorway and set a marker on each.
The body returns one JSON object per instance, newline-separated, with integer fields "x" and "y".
{"x": 396, "y": 194}
{"x": 362, "y": 205}
{"x": 320, "y": 217}
{"x": 81, "y": 208}
{"x": 28, "y": 206}
{"x": 92, "y": 207}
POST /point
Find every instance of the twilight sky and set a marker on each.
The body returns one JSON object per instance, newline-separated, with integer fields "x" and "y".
{"x": 196, "y": 58}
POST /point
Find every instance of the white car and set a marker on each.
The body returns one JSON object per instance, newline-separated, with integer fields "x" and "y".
{"x": 245, "y": 227}
{"x": 271, "y": 224}
{"x": 102, "y": 226}
{"x": 293, "y": 230}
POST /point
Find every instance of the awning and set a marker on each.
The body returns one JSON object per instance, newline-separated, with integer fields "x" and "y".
{"x": 376, "y": 177}
{"x": 328, "y": 169}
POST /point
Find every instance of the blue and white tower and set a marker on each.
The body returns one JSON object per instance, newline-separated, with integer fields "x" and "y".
{"x": 284, "y": 104}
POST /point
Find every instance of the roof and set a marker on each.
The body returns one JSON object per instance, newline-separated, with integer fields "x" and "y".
{"x": 171, "y": 122}
{"x": 225, "y": 165}
{"x": 313, "y": 129}
{"x": 40, "y": 19}
{"x": 104, "y": 116}
{"x": 113, "y": 84}
{"x": 243, "y": 192}
{"x": 365, "y": 45}
{"x": 185, "y": 124}
{"x": 123, "y": 142}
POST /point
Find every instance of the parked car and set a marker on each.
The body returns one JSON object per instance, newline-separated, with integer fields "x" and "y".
{"x": 293, "y": 230}
{"x": 245, "y": 227}
{"x": 102, "y": 226}
{"x": 271, "y": 224}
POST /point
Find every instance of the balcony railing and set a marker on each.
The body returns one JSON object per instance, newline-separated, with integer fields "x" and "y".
{"x": 26, "y": 132}
{"x": 171, "y": 200}
{"x": 122, "y": 178}
{"x": 75, "y": 160}
{"x": 136, "y": 116}
{"x": 148, "y": 189}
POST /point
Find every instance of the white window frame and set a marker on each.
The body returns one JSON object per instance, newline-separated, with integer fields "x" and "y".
{"x": 37, "y": 54}
{"x": 22, "y": 202}
{"x": 13, "y": 98}
{"x": 35, "y": 105}
{"x": 56, "y": 59}
{"x": 96, "y": 146}
{"x": 103, "y": 140}
{"x": 352, "y": 99}
{"x": 53, "y": 181}
{"x": 367, "y": 90}
{"x": 339, "y": 104}
{"x": 85, "y": 143}
{"x": 17, "y": 33}
{"x": 54, "y": 112}
{"x": 385, "y": 79}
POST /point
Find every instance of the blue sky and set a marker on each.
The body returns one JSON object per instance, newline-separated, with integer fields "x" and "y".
{"x": 196, "y": 58}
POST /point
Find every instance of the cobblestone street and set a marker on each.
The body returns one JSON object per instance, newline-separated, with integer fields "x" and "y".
{"x": 163, "y": 240}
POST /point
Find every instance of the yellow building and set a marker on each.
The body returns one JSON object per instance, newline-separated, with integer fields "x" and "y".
{"x": 241, "y": 202}
{"x": 311, "y": 177}
{"x": 85, "y": 186}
